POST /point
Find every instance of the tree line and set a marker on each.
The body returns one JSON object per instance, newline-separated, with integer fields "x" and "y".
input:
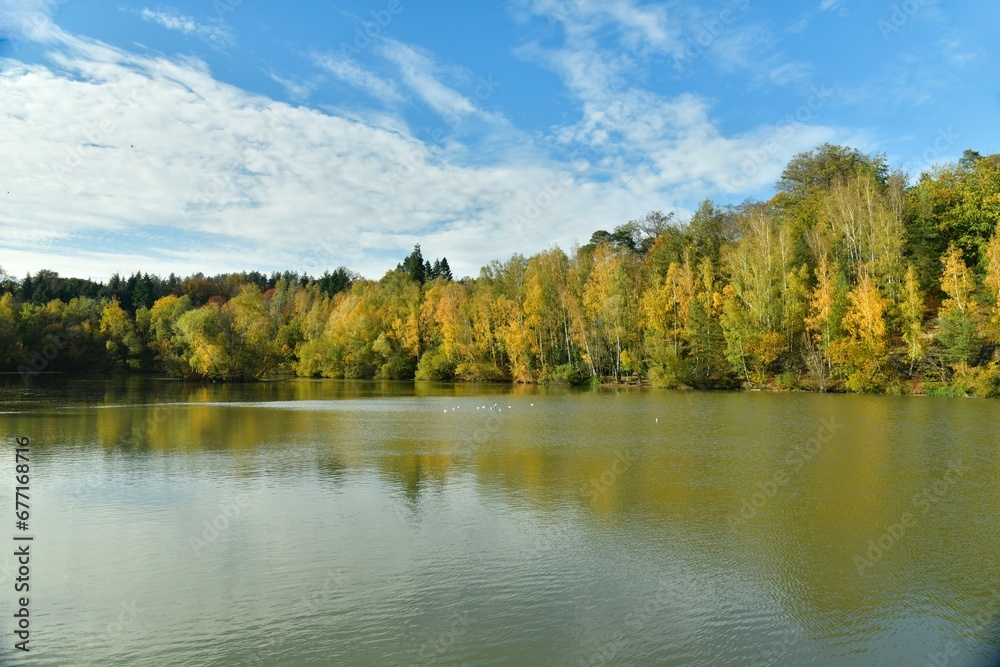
{"x": 850, "y": 278}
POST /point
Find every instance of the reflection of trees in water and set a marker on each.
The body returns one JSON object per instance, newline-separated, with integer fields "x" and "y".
{"x": 673, "y": 481}
{"x": 330, "y": 467}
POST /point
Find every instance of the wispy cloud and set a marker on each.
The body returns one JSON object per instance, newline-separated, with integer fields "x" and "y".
{"x": 215, "y": 34}
{"x": 788, "y": 73}
{"x": 420, "y": 73}
{"x": 296, "y": 89}
{"x": 103, "y": 139}
{"x": 27, "y": 19}
{"x": 107, "y": 140}
{"x": 351, "y": 73}
{"x": 666, "y": 143}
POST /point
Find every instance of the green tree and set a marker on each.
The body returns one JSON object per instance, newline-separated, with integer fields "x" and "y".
{"x": 414, "y": 265}
{"x": 957, "y": 336}
{"x": 123, "y": 342}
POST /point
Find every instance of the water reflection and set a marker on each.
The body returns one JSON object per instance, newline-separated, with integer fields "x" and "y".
{"x": 659, "y": 527}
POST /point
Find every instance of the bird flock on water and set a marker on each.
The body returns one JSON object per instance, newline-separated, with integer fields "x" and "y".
{"x": 495, "y": 406}
{"x": 499, "y": 408}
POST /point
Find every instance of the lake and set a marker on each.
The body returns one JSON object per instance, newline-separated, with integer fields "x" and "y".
{"x": 380, "y": 523}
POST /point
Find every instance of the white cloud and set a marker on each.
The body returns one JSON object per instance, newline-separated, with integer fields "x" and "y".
{"x": 798, "y": 26}
{"x": 27, "y": 19}
{"x": 421, "y": 74}
{"x": 107, "y": 144}
{"x": 350, "y": 72}
{"x": 640, "y": 26}
{"x": 216, "y": 35}
{"x": 297, "y": 90}
{"x": 667, "y": 144}
{"x": 787, "y": 73}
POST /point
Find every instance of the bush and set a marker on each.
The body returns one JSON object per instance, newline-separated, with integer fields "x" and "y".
{"x": 480, "y": 372}
{"x": 435, "y": 366}
{"x": 786, "y": 381}
{"x": 564, "y": 374}
{"x": 663, "y": 377}
{"x": 981, "y": 382}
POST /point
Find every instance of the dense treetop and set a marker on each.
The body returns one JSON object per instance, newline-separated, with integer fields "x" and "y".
{"x": 848, "y": 278}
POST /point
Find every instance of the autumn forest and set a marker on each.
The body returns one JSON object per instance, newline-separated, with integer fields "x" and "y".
{"x": 852, "y": 277}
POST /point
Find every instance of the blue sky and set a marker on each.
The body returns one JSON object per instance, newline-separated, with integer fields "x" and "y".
{"x": 222, "y": 135}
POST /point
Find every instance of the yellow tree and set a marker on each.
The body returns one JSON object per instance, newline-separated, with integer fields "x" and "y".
{"x": 865, "y": 230}
{"x": 166, "y": 342}
{"x": 796, "y": 305}
{"x": 446, "y": 315}
{"x": 861, "y": 356}
{"x": 957, "y": 335}
{"x": 610, "y": 300}
{"x": 912, "y": 310}
{"x": 545, "y": 310}
{"x": 249, "y": 335}
{"x": 123, "y": 342}
{"x": 199, "y": 336}
{"x": 661, "y": 339}
{"x": 823, "y": 324}
{"x": 666, "y": 311}
{"x": 992, "y": 284}
{"x": 752, "y": 311}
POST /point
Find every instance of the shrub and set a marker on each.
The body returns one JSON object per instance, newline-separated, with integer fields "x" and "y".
{"x": 564, "y": 374}
{"x": 435, "y": 366}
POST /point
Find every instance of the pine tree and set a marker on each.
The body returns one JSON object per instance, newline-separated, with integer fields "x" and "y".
{"x": 445, "y": 271}
{"x": 414, "y": 265}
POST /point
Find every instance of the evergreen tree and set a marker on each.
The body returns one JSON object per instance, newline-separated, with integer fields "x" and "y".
{"x": 27, "y": 289}
{"x": 413, "y": 265}
{"x": 444, "y": 271}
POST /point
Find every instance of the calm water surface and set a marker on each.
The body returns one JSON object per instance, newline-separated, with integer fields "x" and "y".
{"x": 343, "y": 523}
